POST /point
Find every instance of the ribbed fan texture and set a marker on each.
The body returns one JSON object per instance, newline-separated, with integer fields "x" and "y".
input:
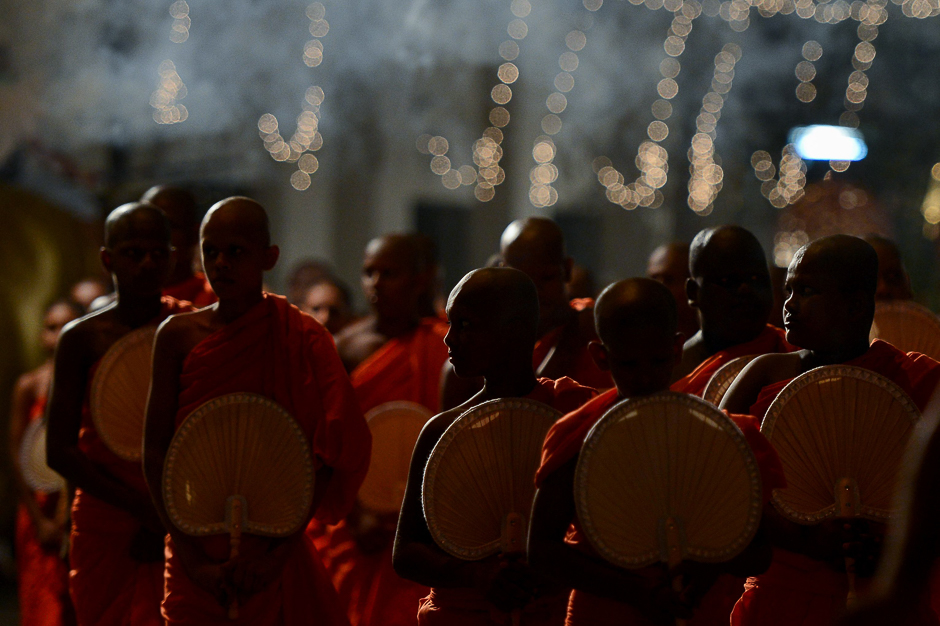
{"x": 721, "y": 380}
{"x": 119, "y": 393}
{"x": 36, "y": 472}
{"x": 245, "y": 445}
{"x": 908, "y": 326}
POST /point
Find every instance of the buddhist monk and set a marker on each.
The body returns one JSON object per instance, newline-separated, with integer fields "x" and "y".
{"x": 730, "y": 288}
{"x": 42, "y": 518}
{"x": 253, "y": 342}
{"x": 830, "y": 288}
{"x": 116, "y": 547}
{"x": 87, "y": 290}
{"x": 328, "y": 302}
{"x": 639, "y": 345}
{"x": 536, "y": 246}
{"x": 180, "y": 208}
{"x": 394, "y": 354}
{"x": 493, "y": 316}
{"x": 894, "y": 283}
{"x": 303, "y": 275}
{"x": 669, "y": 265}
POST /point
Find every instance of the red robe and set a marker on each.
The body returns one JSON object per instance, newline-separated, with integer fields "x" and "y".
{"x": 405, "y": 368}
{"x": 797, "y": 590}
{"x": 42, "y": 574}
{"x": 583, "y": 369}
{"x": 194, "y": 289}
{"x": 467, "y": 607}
{"x": 276, "y": 351}
{"x": 107, "y": 586}
{"x": 771, "y": 339}
{"x": 563, "y": 443}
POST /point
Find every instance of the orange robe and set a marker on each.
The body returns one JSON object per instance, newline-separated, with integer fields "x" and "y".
{"x": 563, "y": 443}
{"x": 194, "y": 289}
{"x": 107, "y": 586}
{"x": 583, "y": 369}
{"x": 42, "y": 574}
{"x": 771, "y": 339}
{"x": 405, "y": 368}
{"x": 797, "y": 590}
{"x": 276, "y": 351}
{"x": 467, "y": 606}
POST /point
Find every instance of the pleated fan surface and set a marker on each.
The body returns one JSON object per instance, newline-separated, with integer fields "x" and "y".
{"x": 722, "y": 380}
{"x": 908, "y": 326}
{"x": 239, "y": 445}
{"x": 395, "y": 427}
{"x": 119, "y": 393}
{"x": 36, "y": 471}
{"x": 664, "y": 457}
{"x": 482, "y": 469}
{"x": 833, "y": 423}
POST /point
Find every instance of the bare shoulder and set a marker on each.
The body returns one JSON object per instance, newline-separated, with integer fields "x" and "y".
{"x": 357, "y": 342}
{"x": 763, "y": 371}
{"x": 180, "y": 333}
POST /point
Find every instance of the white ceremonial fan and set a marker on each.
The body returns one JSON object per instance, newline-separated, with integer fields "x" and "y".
{"x": 667, "y": 478}
{"x": 479, "y": 481}
{"x": 395, "y": 427}
{"x": 721, "y": 380}
{"x": 239, "y": 463}
{"x": 908, "y": 326}
{"x": 36, "y": 472}
{"x": 840, "y": 433}
{"x": 119, "y": 393}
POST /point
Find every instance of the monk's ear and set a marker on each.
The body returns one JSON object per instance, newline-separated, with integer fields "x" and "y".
{"x": 568, "y": 265}
{"x": 691, "y": 292}
{"x": 271, "y": 255}
{"x": 598, "y": 352}
{"x": 106, "y": 259}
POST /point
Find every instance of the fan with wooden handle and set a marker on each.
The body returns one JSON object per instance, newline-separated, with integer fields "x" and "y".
{"x": 395, "y": 427}
{"x": 119, "y": 393}
{"x": 36, "y": 471}
{"x": 667, "y": 478}
{"x": 239, "y": 463}
{"x": 840, "y": 432}
{"x": 721, "y": 380}
{"x": 908, "y": 326}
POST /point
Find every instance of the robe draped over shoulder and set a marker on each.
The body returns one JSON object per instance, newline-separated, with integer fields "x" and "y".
{"x": 276, "y": 351}
{"x": 195, "y": 289}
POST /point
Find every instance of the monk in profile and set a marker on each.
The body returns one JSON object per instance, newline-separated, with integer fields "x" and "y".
{"x": 730, "y": 288}
{"x": 328, "y": 301}
{"x": 253, "y": 342}
{"x": 894, "y": 283}
{"x": 116, "y": 547}
{"x": 830, "y": 288}
{"x": 180, "y": 207}
{"x": 669, "y": 264}
{"x": 493, "y": 316}
{"x": 42, "y": 518}
{"x": 394, "y": 354}
{"x": 639, "y": 345}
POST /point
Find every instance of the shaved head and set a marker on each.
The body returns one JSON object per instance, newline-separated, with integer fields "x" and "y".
{"x": 634, "y": 303}
{"x": 418, "y": 251}
{"x": 533, "y": 237}
{"x": 179, "y": 205}
{"x": 712, "y": 245}
{"x": 135, "y": 219}
{"x": 850, "y": 261}
{"x": 894, "y": 283}
{"x": 243, "y": 215}
{"x": 507, "y": 293}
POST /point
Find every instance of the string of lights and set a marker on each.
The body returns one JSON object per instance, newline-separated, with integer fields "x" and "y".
{"x": 166, "y": 98}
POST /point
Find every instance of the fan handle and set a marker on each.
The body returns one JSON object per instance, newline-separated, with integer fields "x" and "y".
{"x": 848, "y": 501}
{"x": 236, "y": 512}
{"x": 674, "y": 555}
{"x": 512, "y": 543}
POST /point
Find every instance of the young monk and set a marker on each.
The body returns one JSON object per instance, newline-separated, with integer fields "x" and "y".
{"x": 669, "y": 264}
{"x": 639, "y": 345}
{"x": 493, "y": 316}
{"x": 116, "y": 548}
{"x": 894, "y": 283}
{"x": 396, "y": 353}
{"x": 253, "y": 342}
{"x": 328, "y": 302}
{"x": 536, "y": 246}
{"x": 42, "y": 518}
{"x": 180, "y": 208}
{"x": 830, "y": 303}
{"x": 730, "y": 287}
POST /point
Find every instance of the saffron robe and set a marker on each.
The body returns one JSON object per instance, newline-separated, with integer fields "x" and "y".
{"x": 107, "y": 586}
{"x": 564, "y": 442}
{"x": 771, "y": 339}
{"x": 276, "y": 351}
{"x": 404, "y": 368}
{"x": 42, "y": 574}
{"x": 467, "y": 606}
{"x": 582, "y": 369}
{"x": 797, "y": 590}
{"x": 195, "y": 290}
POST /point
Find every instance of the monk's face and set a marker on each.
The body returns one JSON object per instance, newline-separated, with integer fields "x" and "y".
{"x": 141, "y": 260}
{"x": 734, "y": 297}
{"x": 325, "y": 303}
{"x": 641, "y": 360}
{"x": 669, "y": 266}
{"x": 550, "y": 276}
{"x": 816, "y": 314}
{"x": 390, "y": 281}
{"x": 893, "y": 281}
{"x": 474, "y": 341}
{"x": 55, "y": 318}
{"x": 235, "y": 258}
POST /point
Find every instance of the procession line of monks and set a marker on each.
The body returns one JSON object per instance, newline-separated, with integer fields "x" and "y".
{"x": 510, "y": 332}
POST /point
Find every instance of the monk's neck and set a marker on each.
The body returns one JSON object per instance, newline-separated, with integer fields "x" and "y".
{"x": 835, "y": 356}
{"x": 514, "y": 384}
{"x": 560, "y": 317}
{"x": 134, "y": 311}
{"x": 231, "y": 309}
{"x": 396, "y": 327}
{"x": 715, "y": 343}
